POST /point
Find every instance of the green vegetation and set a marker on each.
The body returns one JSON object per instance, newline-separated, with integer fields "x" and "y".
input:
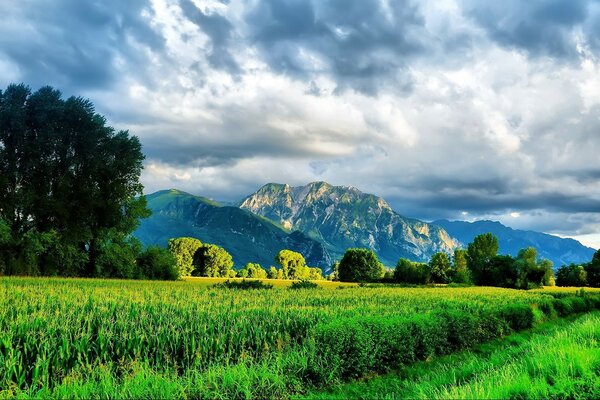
{"x": 70, "y": 194}
{"x": 84, "y": 338}
{"x": 183, "y": 249}
{"x": 360, "y": 265}
{"x": 243, "y": 285}
{"x": 212, "y": 261}
{"x": 556, "y": 360}
{"x": 580, "y": 275}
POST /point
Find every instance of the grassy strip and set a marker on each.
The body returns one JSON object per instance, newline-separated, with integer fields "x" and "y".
{"x": 559, "y": 359}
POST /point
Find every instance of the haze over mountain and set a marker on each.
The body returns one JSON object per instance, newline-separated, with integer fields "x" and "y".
{"x": 248, "y": 237}
{"x": 558, "y": 250}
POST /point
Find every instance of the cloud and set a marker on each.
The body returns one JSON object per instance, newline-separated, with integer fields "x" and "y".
{"x": 443, "y": 107}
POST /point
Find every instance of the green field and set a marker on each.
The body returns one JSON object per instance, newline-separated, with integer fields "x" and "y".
{"x": 560, "y": 359}
{"x": 111, "y": 338}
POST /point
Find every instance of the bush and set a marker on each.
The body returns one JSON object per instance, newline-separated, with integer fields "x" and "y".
{"x": 243, "y": 285}
{"x": 157, "y": 263}
{"x": 303, "y": 285}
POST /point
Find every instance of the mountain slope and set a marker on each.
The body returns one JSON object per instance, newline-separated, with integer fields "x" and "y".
{"x": 343, "y": 217}
{"x": 558, "y": 250}
{"x": 248, "y": 237}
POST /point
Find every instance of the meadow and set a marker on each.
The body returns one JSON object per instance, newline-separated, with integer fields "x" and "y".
{"x": 115, "y": 338}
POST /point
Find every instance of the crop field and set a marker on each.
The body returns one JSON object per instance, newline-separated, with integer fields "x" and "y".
{"x": 559, "y": 359}
{"x": 111, "y": 338}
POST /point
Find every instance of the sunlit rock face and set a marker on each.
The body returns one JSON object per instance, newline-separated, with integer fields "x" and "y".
{"x": 343, "y": 217}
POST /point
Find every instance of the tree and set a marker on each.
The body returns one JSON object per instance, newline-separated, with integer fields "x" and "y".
{"x": 502, "y": 271}
{"x": 65, "y": 173}
{"x": 571, "y": 275}
{"x": 183, "y": 249}
{"x": 157, "y": 263}
{"x": 212, "y": 261}
{"x": 292, "y": 265}
{"x": 272, "y": 273}
{"x": 593, "y": 270}
{"x": 252, "y": 270}
{"x": 460, "y": 269}
{"x": 411, "y": 272}
{"x": 315, "y": 274}
{"x": 480, "y": 252}
{"x": 360, "y": 265}
{"x": 440, "y": 268}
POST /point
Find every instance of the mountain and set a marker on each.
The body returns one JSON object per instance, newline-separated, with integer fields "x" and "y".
{"x": 248, "y": 237}
{"x": 558, "y": 250}
{"x": 342, "y": 217}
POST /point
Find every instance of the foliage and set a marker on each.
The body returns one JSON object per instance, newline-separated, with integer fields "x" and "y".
{"x": 252, "y": 270}
{"x": 292, "y": 265}
{"x": 157, "y": 263}
{"x": 243, "y": 285}
{"x": 272, "y": 273}
{"x": 479, "y": 255}
{"x": 183, "y": 249}
{"x": 303, "y": 284}
{"x": 571, "y": 275}
{"x": 89, "y": 338}
{"x": 460, "y": 268}
{"x": 360, "y": 265}
{"x": 555, "y": 360}
{"x": 411, "y": 272}
{"x": 440, "y": 268}
{"x": 593, "y": 270}
{"x": 67, "y": 178}
{"x": 212, "y": 261}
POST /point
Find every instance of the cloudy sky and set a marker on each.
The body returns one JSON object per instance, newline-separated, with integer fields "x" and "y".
{"x": 463, "y": 109}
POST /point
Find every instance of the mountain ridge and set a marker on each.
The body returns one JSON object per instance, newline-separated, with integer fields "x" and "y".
{"x": 343, "y": 217}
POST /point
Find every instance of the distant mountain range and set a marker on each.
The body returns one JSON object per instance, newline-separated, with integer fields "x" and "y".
{"x": 321, "y": 221}
{"x": 558, "y": 250}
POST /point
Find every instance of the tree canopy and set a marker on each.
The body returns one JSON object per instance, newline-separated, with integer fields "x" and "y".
{"x": 360, "y": 265}
{"x": 70, "y": 185}
{"x": 213, "y": 261}
{"x": 183, "y": 250}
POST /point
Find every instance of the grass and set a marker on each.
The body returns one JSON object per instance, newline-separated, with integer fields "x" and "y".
{"x": 82, "y": 338}
{"x": 277, "y": 283}
{"x": 559, "y": 359}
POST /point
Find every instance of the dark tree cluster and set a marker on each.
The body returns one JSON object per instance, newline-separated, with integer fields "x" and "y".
{"x": 70, "y": 195}
{"x": 580, "y": 275}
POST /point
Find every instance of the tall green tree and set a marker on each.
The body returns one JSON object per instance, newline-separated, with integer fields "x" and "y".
{"x": 360, "y": 265}
{"x": 64, "y": 172}
{"x": 212, "y": 261}
{"x": 571, "y": 275}
{"x": 411, "y": 272}
{"x": 440, "y": 268}
{"x": 183, "y": 249}
{"x": 593, "y": 270}
{"x": 292, "y": 265}
{"x": 460, "y": 268}
{"x": 480, "y": 252}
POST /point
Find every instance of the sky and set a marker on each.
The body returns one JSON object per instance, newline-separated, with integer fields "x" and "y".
{"x": 458, "y": 109}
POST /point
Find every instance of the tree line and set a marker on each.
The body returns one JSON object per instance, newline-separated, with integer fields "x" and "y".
{"x": 194, "y": 258}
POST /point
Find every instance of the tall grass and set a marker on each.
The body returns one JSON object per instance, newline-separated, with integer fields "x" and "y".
{"x": 75, "y": 337}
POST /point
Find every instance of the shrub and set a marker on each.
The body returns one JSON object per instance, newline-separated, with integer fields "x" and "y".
{"x": 243, "y": 285}
{"x": 303, "y": 285}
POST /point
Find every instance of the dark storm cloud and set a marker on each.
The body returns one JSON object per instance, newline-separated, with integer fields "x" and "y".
{"x": 540, "y": 27}
{"x": 74, "y": 44}
{"x": 220, "y": 31}
{"x": 362, "y": 44}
